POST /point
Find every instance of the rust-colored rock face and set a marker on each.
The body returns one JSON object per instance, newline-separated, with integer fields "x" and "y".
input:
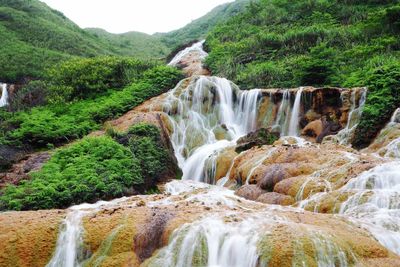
{"x": 296, "y": 172}
{"x": 28, "y": 238}
{"x": 138, "y": 231}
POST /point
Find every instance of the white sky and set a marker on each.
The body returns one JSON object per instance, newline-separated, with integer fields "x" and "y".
{"x": 119, "y": 16}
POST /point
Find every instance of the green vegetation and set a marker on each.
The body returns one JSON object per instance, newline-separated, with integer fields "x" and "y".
{"x": 61, "y": 122}
{"x": 88, "y": 170}
{"x": 91, "y": 169}
{"x": 87, "y": 77}
{"x": 281, "y": 43}
{"x": 145, "y": 144}
{"x": 199, "y": 28}
{"x": 35, "y": 37}
{"x": 135, "y": 44}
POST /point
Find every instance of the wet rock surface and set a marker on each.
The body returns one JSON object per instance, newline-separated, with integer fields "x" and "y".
{"x": 130, "y": 232}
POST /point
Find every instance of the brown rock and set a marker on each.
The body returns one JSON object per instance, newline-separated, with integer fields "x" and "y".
{"x": 251, "y": 192}
{"x": 275, "y": 199}
{"x": 313, "y": 129}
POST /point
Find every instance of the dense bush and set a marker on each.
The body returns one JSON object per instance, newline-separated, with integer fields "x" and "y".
{"x": 60, "y": 123}
{"x": 85, "y": 77}
{"x": 146, "y": 145}
{"x": 91, "y": 169}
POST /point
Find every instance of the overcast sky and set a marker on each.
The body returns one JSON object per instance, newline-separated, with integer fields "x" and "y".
{"x": 119, "y": 16}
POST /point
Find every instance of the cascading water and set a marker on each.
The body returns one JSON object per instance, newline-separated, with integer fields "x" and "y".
{"x": 396, "y": 116}
{"x": 4, "y": 95}
{"x": 294, "y": 119}
{"x": 282, "y": 118}
{"x": 195, "y": 48}
{"x": 211, "y": 242}
{"x": 392, "y": 150}
{"x": 346, "y": 134}
{"x": 376, "y": 203}
{"x": 210, "y": 115}
{"x": 69, "y": 248}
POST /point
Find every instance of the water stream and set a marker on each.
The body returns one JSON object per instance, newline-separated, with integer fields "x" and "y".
{"x": 69, "y": 249}
{"x": 4, "y": 95}
{"x": 346, "y": 134}
{"x": 195, "y": 48}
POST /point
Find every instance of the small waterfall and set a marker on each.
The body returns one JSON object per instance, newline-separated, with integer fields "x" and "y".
{"x": 208, "y": 116}
{"x": 376, "y": 203}
{"x": 69, "y": 249}
{"x": 195, "y": 48}
{"x": 294, "y": 119}
{"x": 396, "y": 116}
{"x": 211, "y": 242}
{"x": 288, "y": 116}
{"x": 282, "y": 117}
{"x": 346, "y": 134}
{"x": 392, "y": 149}
{"x": 4, "y": 95}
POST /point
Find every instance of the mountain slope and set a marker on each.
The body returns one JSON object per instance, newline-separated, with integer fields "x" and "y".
{"x": 137, "y": 44}
{"x": 34, "y": 37}
{"x": 199, "y": 28}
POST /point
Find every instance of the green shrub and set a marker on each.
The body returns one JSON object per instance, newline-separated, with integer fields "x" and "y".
{"x": 94, "y": 168}
{"x": 383, "y": 98}
{"x": 146, "y": 145}
{"x": 86, "y": 171}
{"x": 317, "y": 69}
{"x": 83, "y": 77}
{"x": 60, "y": 123}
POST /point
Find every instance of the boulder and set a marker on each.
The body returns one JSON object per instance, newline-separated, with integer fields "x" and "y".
{"x": 275, "y": 199}
{"x": 257, "y": 138}
{"x": 250, "y": 192}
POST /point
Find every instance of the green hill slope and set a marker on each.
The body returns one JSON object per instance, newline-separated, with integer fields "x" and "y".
{"x": 199, "y": 28}
{"x": 137, "y": 44}
{"x": 34, "y": 37}
{"x": 281, "y": 43}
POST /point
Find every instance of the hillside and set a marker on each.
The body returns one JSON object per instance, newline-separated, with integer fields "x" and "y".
{"x": 136, "y": 44}
{"x": 199, "y": 28}
{"x": 337, "y": 43}
{"x": 35, "y": 37}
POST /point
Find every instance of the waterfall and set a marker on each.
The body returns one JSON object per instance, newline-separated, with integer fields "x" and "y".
{"x": 4, "y": 95}
{"x": 208, "y": 116}
{"x": 69, "y": 248}
{"x": 195, "y": 48}
{"x": 396, "y": 116}
{"x": 346, "y": 134}
{"x": 376, "y": 203}
{"x": 212, "y": 242}
{"x": 294, "y": 119}
{"x": 281, "y": 121}
{"x": 392, "y": 149}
